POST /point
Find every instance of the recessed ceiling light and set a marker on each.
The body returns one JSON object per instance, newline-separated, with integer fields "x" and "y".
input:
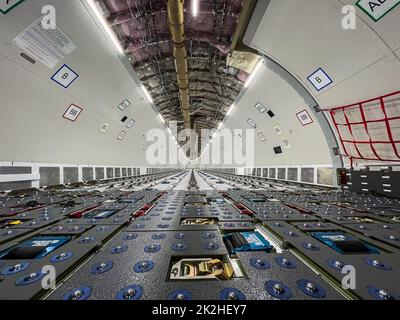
{"x": 147, "y": 94}
{"x": 99, "y": 15}
{"x": 255, "y": 71}
{"x": 230, "y": 109}
{"x": 195, "y": 8}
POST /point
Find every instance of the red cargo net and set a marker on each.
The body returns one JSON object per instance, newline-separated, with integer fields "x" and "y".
{"x": 370, "y": 130}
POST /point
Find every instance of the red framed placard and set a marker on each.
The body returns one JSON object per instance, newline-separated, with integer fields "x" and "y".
{"x": 72, "y": 113}
{"x": 304, "y": 118}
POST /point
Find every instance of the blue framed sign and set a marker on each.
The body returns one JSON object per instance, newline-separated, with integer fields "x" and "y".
{"x": 320, "y": 79}
{"x": 65, "y": 76}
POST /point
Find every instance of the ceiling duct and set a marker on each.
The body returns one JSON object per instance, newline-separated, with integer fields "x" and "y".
{"x": 176, "y": 21}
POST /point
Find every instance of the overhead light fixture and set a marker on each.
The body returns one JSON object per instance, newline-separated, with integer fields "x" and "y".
{"x": 255, "y": 71}
{"x": 195, "y": 8}
{"x": 220, "y": 125}
{"x": 230, "y": 109}
{"x": 162, "y": 118}
{"x": 147, "y": 94}
{"x": 99, "y": 15}
{"x": 203, "y": 152}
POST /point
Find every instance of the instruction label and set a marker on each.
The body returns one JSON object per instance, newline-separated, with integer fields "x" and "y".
{"x": 48, "y": 46}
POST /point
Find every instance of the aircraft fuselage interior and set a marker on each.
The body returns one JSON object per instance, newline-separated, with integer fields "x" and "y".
{"x": 218, "y": 150}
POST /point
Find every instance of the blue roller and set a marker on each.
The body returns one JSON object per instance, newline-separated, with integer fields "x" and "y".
{"x": 133, "y": 292}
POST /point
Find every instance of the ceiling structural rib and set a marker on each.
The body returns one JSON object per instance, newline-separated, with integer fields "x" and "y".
{"x": 176, "y": 21}
{"x": 243, "y": 22}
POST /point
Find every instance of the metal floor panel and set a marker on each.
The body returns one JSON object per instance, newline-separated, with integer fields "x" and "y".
{"x": 124, "y": 243}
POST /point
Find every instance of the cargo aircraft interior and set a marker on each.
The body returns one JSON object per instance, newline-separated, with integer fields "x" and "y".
{"x": 215, "y": 150}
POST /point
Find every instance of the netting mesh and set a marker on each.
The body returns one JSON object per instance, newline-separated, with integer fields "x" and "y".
{"x": 370, "y": 130}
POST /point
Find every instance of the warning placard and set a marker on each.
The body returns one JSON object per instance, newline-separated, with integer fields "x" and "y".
{"x": 49, "y": 46}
